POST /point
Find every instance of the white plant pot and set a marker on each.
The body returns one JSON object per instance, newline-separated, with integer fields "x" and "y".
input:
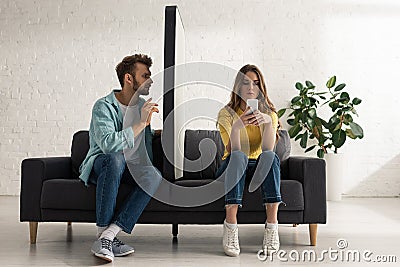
{"x": 335, "y": 165}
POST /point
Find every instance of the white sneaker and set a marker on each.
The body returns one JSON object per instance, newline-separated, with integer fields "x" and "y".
{"x": 271, "y": 241}
{"x": 230, "y": 241}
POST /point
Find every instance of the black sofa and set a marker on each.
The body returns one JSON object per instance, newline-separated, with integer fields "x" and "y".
{"x": 52, "y": 192}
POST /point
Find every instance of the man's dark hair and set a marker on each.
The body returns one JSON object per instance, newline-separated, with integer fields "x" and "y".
{"x": 127, "y": 65}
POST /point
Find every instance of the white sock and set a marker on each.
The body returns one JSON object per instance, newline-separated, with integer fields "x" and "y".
{"x": 272, "y": 226}
{"x": 111, "y": 232}
{"x": 230, "y": 225}
{"x": 100, "y": 230}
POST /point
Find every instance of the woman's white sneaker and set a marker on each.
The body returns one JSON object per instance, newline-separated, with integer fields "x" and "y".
{"x": 230, "y": 241}
{"x": 271, "y": 241}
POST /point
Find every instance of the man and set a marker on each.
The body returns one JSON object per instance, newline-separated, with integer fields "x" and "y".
{"x": 120, "y": 137}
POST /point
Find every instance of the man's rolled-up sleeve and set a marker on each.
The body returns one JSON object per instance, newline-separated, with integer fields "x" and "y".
{"x": 107, "y": 137}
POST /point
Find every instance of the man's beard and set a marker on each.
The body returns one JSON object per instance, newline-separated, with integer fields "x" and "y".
{"x": 140, "y": 89}
{"x": 136, "y": 85}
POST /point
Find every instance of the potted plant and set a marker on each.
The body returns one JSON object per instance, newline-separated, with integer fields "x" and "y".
{"x": 327, "y": 134}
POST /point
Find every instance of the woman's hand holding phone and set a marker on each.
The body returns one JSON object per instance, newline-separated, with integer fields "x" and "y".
{"x": 244, "y": 119}
{"x": 260, "y": 118}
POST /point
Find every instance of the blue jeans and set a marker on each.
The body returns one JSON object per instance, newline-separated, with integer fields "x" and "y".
{"x": 265, "y": 171}
{"x": 107, "y": 173}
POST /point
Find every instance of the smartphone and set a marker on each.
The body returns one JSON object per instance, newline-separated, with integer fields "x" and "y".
{"x": 253, "y": 104}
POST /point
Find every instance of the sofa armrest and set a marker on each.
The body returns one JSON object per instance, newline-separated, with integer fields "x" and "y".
{"x": 311, "y": 173}
{"x": 34, "y": 171}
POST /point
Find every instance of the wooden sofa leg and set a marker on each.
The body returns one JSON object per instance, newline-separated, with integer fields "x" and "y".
{"x": 295, "y": 225}
{"x": 33, "y": 226}
{"x": 174, "y": 229}
{"x": 69, "y": 223}
{"x": 312, "y": 229}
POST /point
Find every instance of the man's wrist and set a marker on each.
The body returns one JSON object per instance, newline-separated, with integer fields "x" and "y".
{"x": 139, "y": 127}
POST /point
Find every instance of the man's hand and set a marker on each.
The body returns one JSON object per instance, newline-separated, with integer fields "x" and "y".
{"x": 147, "y": 111}
{"x": 145, "y": 117}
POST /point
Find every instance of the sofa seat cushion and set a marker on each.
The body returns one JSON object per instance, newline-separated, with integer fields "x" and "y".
{"x": 72, "y": 194}
{"x": 69, "y": 194}
{"x": 214, "y": 206}
{"x": 291, "y": 193}
{"x": 291, "y": 190}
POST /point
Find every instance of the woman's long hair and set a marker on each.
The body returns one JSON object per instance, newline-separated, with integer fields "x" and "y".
{"x": 265, "y": 106}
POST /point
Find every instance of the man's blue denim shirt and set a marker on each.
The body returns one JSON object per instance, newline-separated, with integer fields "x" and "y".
{"x": 106, "y": 134}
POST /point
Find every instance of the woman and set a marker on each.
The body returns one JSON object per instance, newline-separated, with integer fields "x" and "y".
{"x": 249, "y": 139}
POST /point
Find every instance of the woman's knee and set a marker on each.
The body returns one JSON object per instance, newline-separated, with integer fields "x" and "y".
{"x": 268, "y": 154}
{"x": 239, "y": 156}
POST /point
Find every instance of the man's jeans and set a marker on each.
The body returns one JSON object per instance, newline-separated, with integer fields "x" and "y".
{"x": 107, "y": 173}
{"x": 237, "y": 166}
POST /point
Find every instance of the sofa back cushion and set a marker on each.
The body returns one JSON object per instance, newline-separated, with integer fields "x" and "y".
{"x": 202, "y": 165}
{"x": 80, "y": 147}
{"x": 204, "y": 150}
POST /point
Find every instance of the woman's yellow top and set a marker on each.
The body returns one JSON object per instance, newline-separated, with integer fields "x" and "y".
{"x": 250, "y": 136}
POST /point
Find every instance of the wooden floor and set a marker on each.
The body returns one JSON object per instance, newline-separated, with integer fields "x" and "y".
{"x": 365, "y": 224}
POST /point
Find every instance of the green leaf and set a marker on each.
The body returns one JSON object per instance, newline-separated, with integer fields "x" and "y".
{"x": 298, "y": 137}
{"x": 290, "y": 122}
{"x": 356, "y": 101}
{"x": 354, "y": 111}
{"x": 310, "y": 122}
{"x": 310, "y": 148}
{"x": 345, "y": 95}
{"x": 303, "y": 141}
{"x": 356, "y": 129}
{"x": 322, "y": 97}
{"x": 310, "y": 85}
{"x": 320, "y": 153}
{"x": 331, "y": 82}
{"x": 334, "y": 105}
{"x": 313, "y": 100}
{"x": 338, "y": 126}
{"x": 333, "y": 121}
{"x": 350, "y": 134}
{"x": 297, "y": 117}
{"x": 347, "y": 118}
{"x": 293, "y": 131}
{"x": 281, "y": 112}
{"x": 312, "y": 113}
{"x": 307, "y": 101}
{"x": 299, "y": 86}
{"x": 347, "y": 108}
{"x": 323, "y": 122}
{"x": 338, "y": 138}
{"x": 296, "y": 99}
{"x": 340, "y": 87}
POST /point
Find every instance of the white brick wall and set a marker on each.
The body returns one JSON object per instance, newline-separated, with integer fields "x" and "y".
{"x": 57, "y": 57}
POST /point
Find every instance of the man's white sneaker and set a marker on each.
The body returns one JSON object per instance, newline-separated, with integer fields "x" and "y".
{"x": 271, "y": 241}
{"x": 230, "y": 241}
